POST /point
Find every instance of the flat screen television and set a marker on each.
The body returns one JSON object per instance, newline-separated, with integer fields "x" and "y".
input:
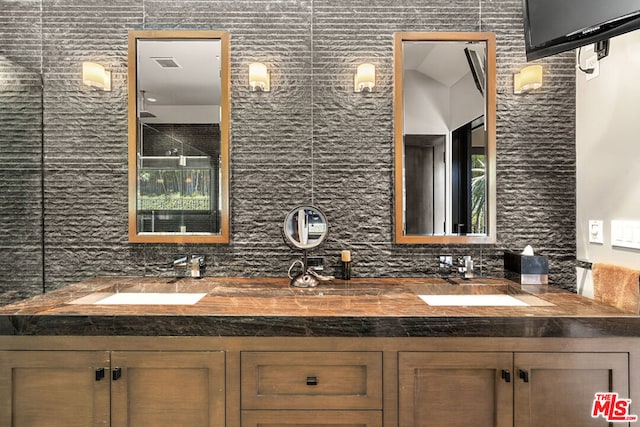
{"x": 554, "y": 26}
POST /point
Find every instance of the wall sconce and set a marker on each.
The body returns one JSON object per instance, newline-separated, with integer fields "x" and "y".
{"x": 528, "y": 79}
{"x": 259, "y": 80}
{"x": 95, "y": 75}
{"x": 365, "y": 78}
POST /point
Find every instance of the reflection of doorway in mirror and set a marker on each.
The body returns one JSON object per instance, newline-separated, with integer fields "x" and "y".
{"x": 425, "y": 184}
{"x": 468, "y": 179}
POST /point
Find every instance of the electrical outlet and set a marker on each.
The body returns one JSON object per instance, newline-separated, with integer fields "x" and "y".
{"x": 316, "y": 263}
{"x": 592, "y": 63}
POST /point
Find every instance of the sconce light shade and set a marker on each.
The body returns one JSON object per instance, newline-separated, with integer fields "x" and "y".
{"x": 528, "y": 79}
{"x": 96, "y": 76}
{"x": 259, "y": 80}
{"x": 365, "y": 78}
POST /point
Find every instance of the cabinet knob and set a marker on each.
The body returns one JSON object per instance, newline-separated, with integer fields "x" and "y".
{"x": 312, "y": 380}
{"x": 506, "y": 375}
{"x": 524, "y": 375}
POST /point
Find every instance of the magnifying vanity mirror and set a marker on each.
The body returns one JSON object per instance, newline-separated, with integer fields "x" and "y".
{"x": 305, "y": 228}
{"x": 179, "y": 136}
{"x": 444, "y": 138}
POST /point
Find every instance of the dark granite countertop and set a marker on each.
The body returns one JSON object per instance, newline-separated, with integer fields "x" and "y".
{"x": 269, "y": 307}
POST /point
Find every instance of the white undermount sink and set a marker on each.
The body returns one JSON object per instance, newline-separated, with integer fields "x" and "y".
{"x": 497, "y": 300}
{"x": 141, "y": 298}
{"x": 152, "y": 298}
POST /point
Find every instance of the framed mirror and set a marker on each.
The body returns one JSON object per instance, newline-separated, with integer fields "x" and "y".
{"x": 444, "y": 138}
{"x": 179, "y": 110}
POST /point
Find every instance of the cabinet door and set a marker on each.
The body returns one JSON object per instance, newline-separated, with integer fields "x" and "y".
{"x": 311, "y": 418}
{"x": 54, "y": 388}
{"x": 167, "y": 389}
{"x": 558, "y": 389}
{"x": 455, "y": 389}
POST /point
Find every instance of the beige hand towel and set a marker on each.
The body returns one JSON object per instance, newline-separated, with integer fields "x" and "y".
{"x": 617, "y": 286}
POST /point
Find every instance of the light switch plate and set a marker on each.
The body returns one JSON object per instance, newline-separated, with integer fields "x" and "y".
{"x": 596, "y": 231}
{"x": 625, "y": 234}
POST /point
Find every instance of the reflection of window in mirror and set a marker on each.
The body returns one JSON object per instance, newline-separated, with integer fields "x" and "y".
{"x": 179, "y": 126}
{"x": 444, "y": 97}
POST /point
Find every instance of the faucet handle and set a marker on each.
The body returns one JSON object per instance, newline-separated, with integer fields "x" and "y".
{"x": 468, "y": 267}
{"x": 197, "y": 266}
{"x": 445, "y": 261}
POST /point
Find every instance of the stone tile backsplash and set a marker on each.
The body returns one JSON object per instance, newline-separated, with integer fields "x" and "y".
{"x": 63, "y": 147}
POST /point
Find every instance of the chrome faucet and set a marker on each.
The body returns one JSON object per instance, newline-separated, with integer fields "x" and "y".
{"x": 464, "y": 266}
{"x": 193, "y": 266}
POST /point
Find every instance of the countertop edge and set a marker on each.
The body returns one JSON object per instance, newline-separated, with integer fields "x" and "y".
{"x": 320, "y": 326}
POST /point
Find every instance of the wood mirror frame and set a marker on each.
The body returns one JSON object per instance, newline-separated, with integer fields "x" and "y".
{"x": 221, "y": 232}
{"x": 490, "y": 123}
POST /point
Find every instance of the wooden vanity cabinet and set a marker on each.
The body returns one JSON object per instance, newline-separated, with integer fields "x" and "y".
{"x": 167, "y": 389}
{"x": 311, "y": 381}
{"x": 455, "y": 389}
{"x": 558, "y": 389}
{"x": 54, "y": 388}
{"x": 119, "y": 388}
{"x": 311, "y": 389}
{"x": 506, "y": 389}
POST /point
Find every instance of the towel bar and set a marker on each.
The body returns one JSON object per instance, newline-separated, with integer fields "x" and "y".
{"x": 584, "y": 264}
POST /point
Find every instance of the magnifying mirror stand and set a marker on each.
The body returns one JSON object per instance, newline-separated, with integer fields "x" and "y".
{"x": 308, "y": 278}
{"x": 305, "y": 228}
{"x": 305, "y": 260}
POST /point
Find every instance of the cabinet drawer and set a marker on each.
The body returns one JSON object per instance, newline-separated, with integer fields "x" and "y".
{"x": 311, "y": 380}
{"x": 311, "y": 418}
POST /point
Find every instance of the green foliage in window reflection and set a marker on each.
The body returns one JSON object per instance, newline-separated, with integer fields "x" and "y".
{"x": 478, "y": 194}
{"x": 174, "y": 189}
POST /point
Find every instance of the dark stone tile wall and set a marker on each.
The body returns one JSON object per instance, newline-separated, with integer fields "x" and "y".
{"x": 85, "y": 134}
{"x": 310, "y": 140}
{"x": 20, "y": 150}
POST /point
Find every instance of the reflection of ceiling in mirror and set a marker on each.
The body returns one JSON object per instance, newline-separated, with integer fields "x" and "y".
{"x": 443, "y": 61}
{"x": 189, "y": 92}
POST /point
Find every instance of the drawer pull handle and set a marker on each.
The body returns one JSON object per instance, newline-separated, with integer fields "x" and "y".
{"x": 312, "y": 380}
{"x": 524, "y": 375}
{"x": 506, "y": 375}
{"x": 99, "y": 374}
{"x": 117, "y": 373}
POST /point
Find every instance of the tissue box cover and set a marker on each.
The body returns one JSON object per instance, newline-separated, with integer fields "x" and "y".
{"x": 526, "y": 269}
